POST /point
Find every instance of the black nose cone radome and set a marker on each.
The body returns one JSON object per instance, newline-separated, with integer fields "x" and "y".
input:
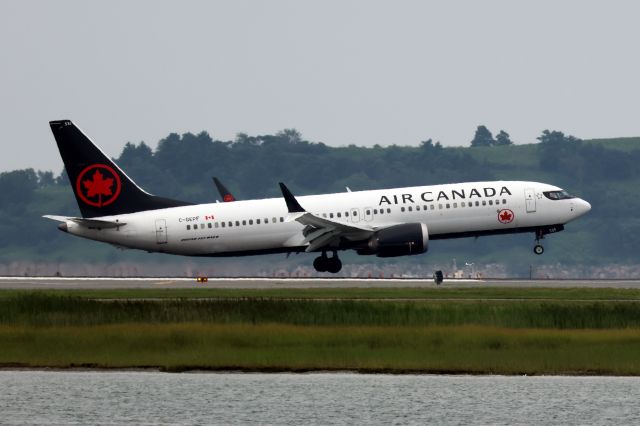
{"x": 63, "y": 227}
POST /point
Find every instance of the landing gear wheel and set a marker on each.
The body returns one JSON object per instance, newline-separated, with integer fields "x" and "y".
{"x": 321, "y": 263}
{"x": 538, "y": 249}
{"x": 327, "y": 264}
{"x": 334, "y": 265}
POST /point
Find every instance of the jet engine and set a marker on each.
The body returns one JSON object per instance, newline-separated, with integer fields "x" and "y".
{"x": 398, "y": 240}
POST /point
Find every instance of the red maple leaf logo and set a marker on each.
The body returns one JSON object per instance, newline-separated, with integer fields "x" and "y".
{"x": 98, "y": 186}
{"x": 104, "y": 183}
{"x": 505, "y": 216}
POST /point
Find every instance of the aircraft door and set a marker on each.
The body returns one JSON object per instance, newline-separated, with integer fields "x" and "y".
{"x": 530, "y": 200}
{"x": 355, "y": 215}
{"x": 368, "y": 214}
{"x": 161, "y": 231}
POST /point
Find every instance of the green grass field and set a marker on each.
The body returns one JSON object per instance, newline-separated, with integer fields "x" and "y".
{"x": 211, "y": 292}
{"x": 571, "y": 331}
{"x": 281, "y": 347}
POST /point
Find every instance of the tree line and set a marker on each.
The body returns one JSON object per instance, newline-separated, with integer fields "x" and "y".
{"x": 181, "y": 167}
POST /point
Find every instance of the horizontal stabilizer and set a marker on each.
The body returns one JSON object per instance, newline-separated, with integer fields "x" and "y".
{"x": 88, "y": 223}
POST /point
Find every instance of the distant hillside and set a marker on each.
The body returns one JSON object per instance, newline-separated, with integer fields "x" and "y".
{"x": 622, "y": 144}
{"x": 605, "y": 172}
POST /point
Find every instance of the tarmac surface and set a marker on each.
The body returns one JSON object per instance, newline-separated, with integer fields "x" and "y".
{"x": 88, "y": 283}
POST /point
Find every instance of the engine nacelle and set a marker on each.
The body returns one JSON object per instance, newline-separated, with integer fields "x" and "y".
{"x": 399, "y": 240}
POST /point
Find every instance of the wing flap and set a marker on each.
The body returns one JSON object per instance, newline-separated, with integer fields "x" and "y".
{"x": 323, "y": 240}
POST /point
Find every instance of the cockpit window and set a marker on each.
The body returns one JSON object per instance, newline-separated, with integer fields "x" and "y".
{"x": 558, "y": 195}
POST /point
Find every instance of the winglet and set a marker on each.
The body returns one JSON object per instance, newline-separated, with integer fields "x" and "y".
{"x": 226, "y": 195}
{"x": 292, "y": 203}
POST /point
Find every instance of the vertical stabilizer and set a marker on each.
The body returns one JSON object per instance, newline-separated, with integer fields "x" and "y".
{"x": 100, "y": 186}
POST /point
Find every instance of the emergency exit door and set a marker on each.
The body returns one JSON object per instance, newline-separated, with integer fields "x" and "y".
{"x": 161, "y": 231}
{"x": 355, "y": 215}
{"x": 530, "y": 200}
{"x": 368, "y": 214}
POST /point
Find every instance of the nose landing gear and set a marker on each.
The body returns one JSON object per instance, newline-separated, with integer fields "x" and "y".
{"x": 538, "y": 249}
{"x": 323, "y": 263}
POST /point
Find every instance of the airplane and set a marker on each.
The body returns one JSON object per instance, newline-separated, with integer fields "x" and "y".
{"x": 384, "y": 223}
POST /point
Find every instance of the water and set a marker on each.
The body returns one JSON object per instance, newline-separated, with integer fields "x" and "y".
{"x": 37, "y": 397}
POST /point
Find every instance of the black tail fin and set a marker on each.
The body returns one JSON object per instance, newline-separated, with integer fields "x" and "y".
{"x": 100, "y": 187}
{"x": 226, "y": 195}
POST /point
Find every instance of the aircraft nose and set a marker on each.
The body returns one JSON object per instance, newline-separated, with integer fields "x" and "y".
{"x": 583, "y": 207}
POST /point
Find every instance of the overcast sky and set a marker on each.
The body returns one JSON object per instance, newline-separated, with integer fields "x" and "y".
{"x": 341, "y": 72}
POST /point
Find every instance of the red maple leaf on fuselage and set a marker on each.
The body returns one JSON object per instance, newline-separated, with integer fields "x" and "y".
{"x": 98, "y": 186}
{"x": 505, "y": 216}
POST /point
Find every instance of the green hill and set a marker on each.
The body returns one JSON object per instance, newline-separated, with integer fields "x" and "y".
{"x": 622, "y": 144}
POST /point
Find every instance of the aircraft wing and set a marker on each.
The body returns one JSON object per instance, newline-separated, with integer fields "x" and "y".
{"x": 226, "y": 195}
{"x": 89, "y": 223}
{"x": 320, "y": 232}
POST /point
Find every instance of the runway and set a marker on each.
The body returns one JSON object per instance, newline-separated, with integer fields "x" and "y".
{"x": 89, "y": 283}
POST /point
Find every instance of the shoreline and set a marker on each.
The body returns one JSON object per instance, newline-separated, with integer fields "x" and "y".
{"x": 323, "y": 371}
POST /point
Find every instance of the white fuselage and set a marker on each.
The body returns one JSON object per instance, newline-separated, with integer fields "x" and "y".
{"x": 262, "y": 226}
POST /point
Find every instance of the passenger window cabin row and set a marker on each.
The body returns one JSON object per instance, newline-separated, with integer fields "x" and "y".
{"x": 355, "y": 213}
{"x": 231, "y": 223}
{"x": 368, "y": 212}
{"x": 455, "y": 205}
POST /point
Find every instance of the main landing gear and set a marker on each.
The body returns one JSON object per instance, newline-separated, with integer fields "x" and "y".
{"x": 538, "y": 249}
{"x": 327, "y": 264}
